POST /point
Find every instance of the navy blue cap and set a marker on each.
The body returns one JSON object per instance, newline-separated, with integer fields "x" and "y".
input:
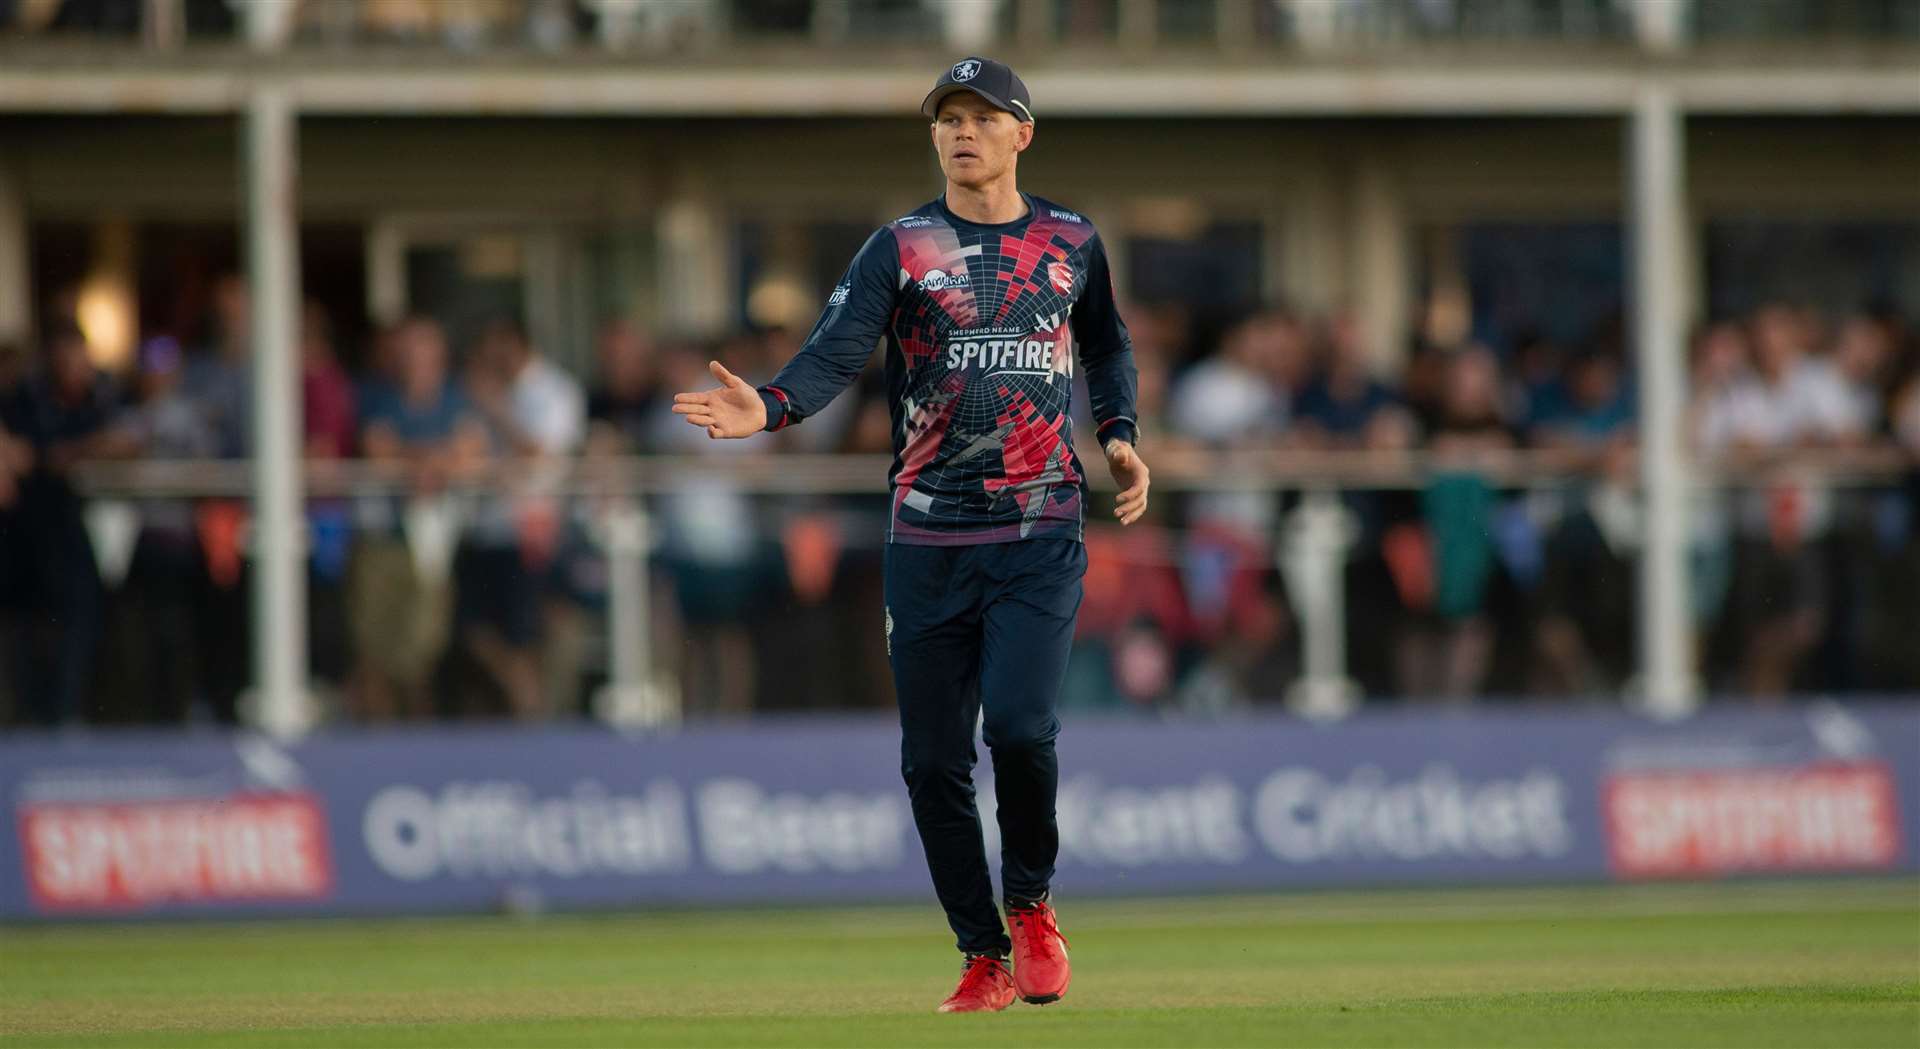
{"x": 991, "y": 80}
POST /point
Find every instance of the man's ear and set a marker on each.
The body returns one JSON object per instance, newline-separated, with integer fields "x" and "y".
{"x": 1024, "y": 139}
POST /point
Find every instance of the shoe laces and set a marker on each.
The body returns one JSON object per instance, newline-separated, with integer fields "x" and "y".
{"x": 978, "y": 971}
{"x": 1041, "y": 917}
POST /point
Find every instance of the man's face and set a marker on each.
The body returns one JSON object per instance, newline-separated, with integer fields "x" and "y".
{"x": 976, "y": 142}
{"x": 69, "y": 365}
{"x": 421, "y": 356}
{"x": 1777, "y": 340}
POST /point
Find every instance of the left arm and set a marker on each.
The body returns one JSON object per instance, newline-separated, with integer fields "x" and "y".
{"x": 1106, "y": 352}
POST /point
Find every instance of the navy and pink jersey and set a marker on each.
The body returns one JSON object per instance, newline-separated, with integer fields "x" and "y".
{"x": 980, "y": 324}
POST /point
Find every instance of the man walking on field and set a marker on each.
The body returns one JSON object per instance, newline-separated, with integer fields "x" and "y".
{"x": 980, "y": 296}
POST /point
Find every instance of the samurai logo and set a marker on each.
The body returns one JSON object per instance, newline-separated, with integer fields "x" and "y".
{"x": 966, "y": 70}
{"x": 940, "y": 280}
{"x": 1061, "y": 274}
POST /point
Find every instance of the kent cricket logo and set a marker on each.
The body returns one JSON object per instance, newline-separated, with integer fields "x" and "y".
{"x": 1009, "y": 354}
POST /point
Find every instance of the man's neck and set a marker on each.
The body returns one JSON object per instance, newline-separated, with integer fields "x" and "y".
{"x": 998, "y": 201}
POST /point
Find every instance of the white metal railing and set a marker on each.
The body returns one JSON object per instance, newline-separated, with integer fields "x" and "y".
{"x": 1311, "y": 546}
{"x": 1175, "y": 469}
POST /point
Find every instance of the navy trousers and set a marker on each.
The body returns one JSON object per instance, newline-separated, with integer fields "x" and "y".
{"x": 972, "y": 628}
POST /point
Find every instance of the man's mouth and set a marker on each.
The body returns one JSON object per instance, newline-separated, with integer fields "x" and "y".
{"x": 966, "y": 154}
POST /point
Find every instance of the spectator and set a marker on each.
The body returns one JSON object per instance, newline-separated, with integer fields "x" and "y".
{"x": 1236, "y": 400}
{"x": 711, "y": 546}
{"x": 220, "y": 376}
{"x": 424, "y": 430}
{"x": 326, "y": 394}
{"x": 65, "y": 413}
{"x": 331, "y": 433}
{"x": 623, "y": 406}
{"x": 1343, "y": 405}
{"x": 1240, "y": 399}
{"x": 1232, "y": 399}
{"x": 1537, "y": 383}
{"x": 160, "y": 592}
{"x": 1863, "y": 363}
{"x": 16, "y": 561}
{"x": 1446, "y": 645}
{"x": 1789, "y": 402}
{"x": 537, "y": 415}
{"x": 1597, "y": 408}
{"x": 1589, "y": 593}
{"x": 219, "y": 379}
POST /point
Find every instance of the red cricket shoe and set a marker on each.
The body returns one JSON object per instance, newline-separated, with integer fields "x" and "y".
{"x": 985, "y": 987}
{"x": 1040, "y": 970}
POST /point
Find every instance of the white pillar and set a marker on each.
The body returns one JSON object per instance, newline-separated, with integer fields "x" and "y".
{"x": 273, "y": 276}
{"x": 1316, "y": 25}
{"x": 544, "y": 291}
{"x": 1659, "y": 225}
{"x": 268, "y": 23}
{"x": 163, "y": 24}
{"x": 1308, "y": 253}
{"x": 1660, "y": 26}
{"x": 386, "y": 253}
{"x": 968, "y": 25}
{"x": 1381, "y": 256}
{"x": 696, "y": 267}
{"x": 16, "y": 286}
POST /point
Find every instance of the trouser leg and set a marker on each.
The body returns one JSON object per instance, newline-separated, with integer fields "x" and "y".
{"x": 933, "y": 640}
{"x": 1026, "y": 637}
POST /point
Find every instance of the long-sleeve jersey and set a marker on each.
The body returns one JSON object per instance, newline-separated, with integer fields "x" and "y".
{"x": 980, "y": 324}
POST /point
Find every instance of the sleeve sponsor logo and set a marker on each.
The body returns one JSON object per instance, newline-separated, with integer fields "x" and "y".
{"x": 1064, "y": 216}
{"x": 839, "y": 296}
{"x": 136, "y": 855}
{"x": 1830, "y": 816}
{"x": 913, "y": 222}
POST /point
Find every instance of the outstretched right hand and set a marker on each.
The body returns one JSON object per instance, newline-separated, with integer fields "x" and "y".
{"x": 734, "y": 409}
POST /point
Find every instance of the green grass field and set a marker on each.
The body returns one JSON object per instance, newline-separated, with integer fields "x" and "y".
{"x": 1810, "y": 964}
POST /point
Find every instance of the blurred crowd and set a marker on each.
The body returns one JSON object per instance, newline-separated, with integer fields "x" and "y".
{"x": 667, "y": 26}
{"x": 1803, "y": 558}
{"x": 457, "y": 588}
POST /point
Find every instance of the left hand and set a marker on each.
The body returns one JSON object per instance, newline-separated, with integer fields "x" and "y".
{"x": 1130, "y": 473}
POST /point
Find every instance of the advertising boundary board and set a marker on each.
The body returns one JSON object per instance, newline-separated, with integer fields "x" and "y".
{"x": 478, "y": 818}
